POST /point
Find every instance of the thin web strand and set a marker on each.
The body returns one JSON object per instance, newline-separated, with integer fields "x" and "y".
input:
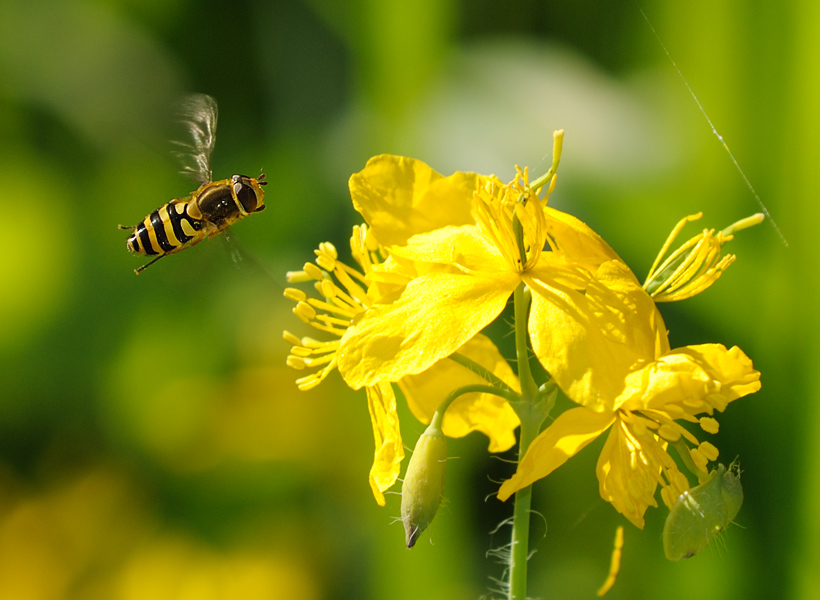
{"x": 712, "y": 126}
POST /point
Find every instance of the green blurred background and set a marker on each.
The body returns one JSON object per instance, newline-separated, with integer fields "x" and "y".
{"x": 153, "y": 444}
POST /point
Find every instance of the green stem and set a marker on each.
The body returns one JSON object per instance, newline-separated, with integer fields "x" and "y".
{"x": 531, "y": 415}
{"x": 519, "y": 551}
{"x": 476, "y": 368}
{"x": 507, "y": 394}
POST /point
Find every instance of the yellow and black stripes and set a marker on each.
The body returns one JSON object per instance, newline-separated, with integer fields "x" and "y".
{"x": 165, "y": 230}
{"x": 209, "y": 210}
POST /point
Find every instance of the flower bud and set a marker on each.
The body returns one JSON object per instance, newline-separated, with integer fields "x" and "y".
{"x": 423, "y": 485}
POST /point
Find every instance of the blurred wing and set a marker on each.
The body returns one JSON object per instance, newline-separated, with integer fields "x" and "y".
{"x": 245, "y": 260}
{"x": 237, "y": 251}
{"x": 197, "y": 113}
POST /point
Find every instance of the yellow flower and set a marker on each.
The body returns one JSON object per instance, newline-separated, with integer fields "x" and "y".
{"x": 608, "y": 350}
{"x": 473, "y": 240}
{"x": 694, "y": 266}
{"x": 345, "y": 293}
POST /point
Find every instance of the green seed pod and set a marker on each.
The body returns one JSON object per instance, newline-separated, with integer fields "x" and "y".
{"x": 423, "y": 485}
{"x": 702, "y": 512}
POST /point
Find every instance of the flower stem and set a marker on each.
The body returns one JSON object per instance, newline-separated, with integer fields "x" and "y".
{"x": 530, "y": 413}
{"x": 520, "y": 543}
{"x": 476, "y": 368}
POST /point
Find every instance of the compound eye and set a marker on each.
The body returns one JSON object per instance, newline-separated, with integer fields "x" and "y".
{"x": 246, "y": 196}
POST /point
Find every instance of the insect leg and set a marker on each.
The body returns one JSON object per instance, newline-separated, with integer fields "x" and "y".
{"x": 143, "y": 267}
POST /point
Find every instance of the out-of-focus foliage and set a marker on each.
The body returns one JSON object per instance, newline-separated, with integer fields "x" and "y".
{"x": 152, "y": 442}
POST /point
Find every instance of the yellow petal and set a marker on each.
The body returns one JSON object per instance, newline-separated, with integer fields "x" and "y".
{"x": 576, "y": 241}
{"x": 628, "y": 471}
{"x": 694, "y": 379}
{"x": 731, "y": 371}
{"x": 570, "y": 432}
{"x": 487, "y": 413}
{"x": 465, "y": 247}
{"x": 597, "y": 336}
{"x": 381, "y": 401}
{"x": 435, "y": 316}
{"x": 400, "y": 197}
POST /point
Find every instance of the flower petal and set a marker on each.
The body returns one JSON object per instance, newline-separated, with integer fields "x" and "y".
{"x": 695, "y": 378}
{"x": 400, "y": 197}
{"x": 381, "y": 401}
{"x": 464, "y": 247}
{"x": 628, "y": 471}
{"x": 594, "y": 337}
{"x": 570, "y": 432}
{"x": 434, "y": 317}
{"x": 487, "y": 413}
{"x": 576, "y": 241}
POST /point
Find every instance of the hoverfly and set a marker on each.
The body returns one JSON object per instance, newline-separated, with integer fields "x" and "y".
{"x": 207, "y": 211}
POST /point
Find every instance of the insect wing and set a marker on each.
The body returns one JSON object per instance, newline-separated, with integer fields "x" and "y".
{"x": 234, "y": 248}
{"x": 701, "y": 513}
{"x": 197, "y": 113}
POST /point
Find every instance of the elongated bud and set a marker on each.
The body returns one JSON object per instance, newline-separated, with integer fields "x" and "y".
{"x": 702, "y": 512}
{"x": 423, "y": 485}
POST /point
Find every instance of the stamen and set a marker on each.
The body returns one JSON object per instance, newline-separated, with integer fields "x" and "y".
{"x": 332, "y": 308}
{"x": 321, "y": 347}
{"x": 321, "y": 360}
{"x": 670, "y": 434}
{"x": 313, "y": 271}
{"x": 695, "y": 265}
{"x": 304, "y": 311}
{"x": 335, "y": 304}
{"x": 301, "y": 351}
{"x": 709, "y": 450}
{"x": 327, "y": 319}
{"x": 297, "y": 277}
{"x": 327, "y": 288}
{"x": 755, "y": 219}
{"x": 325, "y": 261}
{"x": 709, "y": 425}
{"x": 295, "y": 294}
{"x": 699, "y": 458}
{"x": 295, "y": 362}
{"x": 290, "y": 338}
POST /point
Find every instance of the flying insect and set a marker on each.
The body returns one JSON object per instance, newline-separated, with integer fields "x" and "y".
{"x": 208, "y": 210}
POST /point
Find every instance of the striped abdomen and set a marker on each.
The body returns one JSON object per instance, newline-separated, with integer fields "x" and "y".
{"x": 166, "y": 230}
